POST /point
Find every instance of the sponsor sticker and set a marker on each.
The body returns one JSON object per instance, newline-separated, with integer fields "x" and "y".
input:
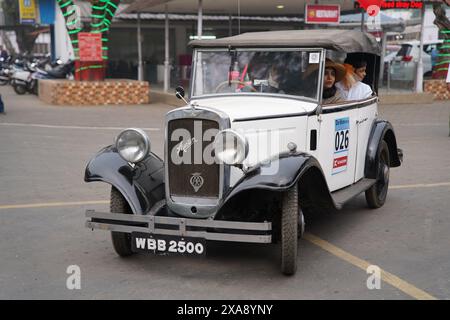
{"x": 314, "y": 57}
{"x": 341, "y": 144}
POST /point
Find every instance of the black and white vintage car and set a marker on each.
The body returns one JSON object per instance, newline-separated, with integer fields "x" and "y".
{"x": 253, "y": 150}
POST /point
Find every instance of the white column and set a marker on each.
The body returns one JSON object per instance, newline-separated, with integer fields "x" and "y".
{"x": 383, "y": 54}
{"x": 200, "y": 20}
{"x": 139, "y": 43}
{"x": 166, "y": 57}
{"x": 419, "y": 75}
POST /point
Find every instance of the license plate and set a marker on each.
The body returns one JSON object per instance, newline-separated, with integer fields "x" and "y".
{"x": 164, "y": 244}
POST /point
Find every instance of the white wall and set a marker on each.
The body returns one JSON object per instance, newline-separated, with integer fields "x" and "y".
{"x": 63, "y": 46}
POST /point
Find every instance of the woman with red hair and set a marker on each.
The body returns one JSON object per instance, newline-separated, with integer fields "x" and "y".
{"x": 351, "y": 87}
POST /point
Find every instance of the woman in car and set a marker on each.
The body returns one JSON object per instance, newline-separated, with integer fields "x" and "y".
{"x": 351, "y": 87}
{"x": 334, "y": 72}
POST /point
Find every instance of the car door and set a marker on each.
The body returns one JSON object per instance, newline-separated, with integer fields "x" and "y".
{"x": 367, "y": 113}
{"x": 337, "y": 144}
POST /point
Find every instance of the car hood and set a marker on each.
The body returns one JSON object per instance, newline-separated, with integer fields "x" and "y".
{"x": 238, "y": 108}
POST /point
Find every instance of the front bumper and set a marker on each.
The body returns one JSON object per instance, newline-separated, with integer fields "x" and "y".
{"x": 217, "y": 230}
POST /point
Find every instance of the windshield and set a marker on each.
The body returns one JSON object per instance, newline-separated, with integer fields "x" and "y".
{"x": 257, "y": 71}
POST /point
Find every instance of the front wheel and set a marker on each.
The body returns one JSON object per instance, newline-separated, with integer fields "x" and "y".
{"x": 121, "y": 241}
{"x": 289, "y": 232}
{"x": 376, "y": 195}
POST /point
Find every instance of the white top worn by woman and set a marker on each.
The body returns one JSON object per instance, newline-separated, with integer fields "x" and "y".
{"x": 358, "y": 91}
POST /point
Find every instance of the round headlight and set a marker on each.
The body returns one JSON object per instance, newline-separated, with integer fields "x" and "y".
{"x": 230, "y": 147}
{"x": 133, "y": 145}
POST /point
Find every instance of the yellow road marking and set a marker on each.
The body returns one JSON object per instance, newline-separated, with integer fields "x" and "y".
{"x": 393, "y": 280}
{"x": 52, "y": 204}
{"x": 362, "y": 264}
{"x": 422, "y": 185}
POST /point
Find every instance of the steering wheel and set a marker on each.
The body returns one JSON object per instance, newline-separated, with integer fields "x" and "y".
{"x": 223, "y": 84}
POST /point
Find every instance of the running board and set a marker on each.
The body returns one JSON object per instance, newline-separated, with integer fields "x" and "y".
{"x": 341, "y": 196}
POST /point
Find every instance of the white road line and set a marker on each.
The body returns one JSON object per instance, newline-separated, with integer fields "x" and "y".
{"x": 422, "y": 124}
{"x": 68, "y": 127}
{"x": 422, "y": 185}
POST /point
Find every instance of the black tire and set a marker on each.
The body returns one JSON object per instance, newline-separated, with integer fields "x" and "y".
{"x": 20, "y": 89}
{"x": 376, "y": 195}
{"x": 121, "y": 241}
{"x": 35, "y": 88}
{"x": 3, "y": 82}
{"x": 289, "y": 232}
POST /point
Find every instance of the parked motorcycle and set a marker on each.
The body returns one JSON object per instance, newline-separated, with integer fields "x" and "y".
{"x": 5, "y": 70}
{"x": 22, "y": 81}
{"x": 28, "y": 82}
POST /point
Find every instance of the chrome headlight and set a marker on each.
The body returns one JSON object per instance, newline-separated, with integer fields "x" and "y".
{"x": 230, "y": 147}
{"x": 133, "y": 145}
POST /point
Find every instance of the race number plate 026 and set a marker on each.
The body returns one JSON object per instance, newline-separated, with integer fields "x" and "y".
{"x": 341, "y": 144}
{"x": 166, "y": 244}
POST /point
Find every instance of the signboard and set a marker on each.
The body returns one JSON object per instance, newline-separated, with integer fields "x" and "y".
{"x": 47, "y": 11}
{"x": 322, "y": 14}
{"x": 90, "y": 46}
{"x": 27, "y": 11}
{"x": 402, "y": 5}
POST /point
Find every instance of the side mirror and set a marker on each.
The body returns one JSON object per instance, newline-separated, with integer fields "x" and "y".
{"x": 179, "y": 92}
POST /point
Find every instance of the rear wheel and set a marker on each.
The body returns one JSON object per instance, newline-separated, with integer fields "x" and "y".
{"x": 289, "y": 232}
{"x": 3, "y": 82}
{"x": 121, "y": 241}
{"x": 20, "y": 89}
{"x": 376, "y": 195}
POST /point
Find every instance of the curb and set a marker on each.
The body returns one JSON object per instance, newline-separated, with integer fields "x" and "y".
{"x": 407, "y": 98}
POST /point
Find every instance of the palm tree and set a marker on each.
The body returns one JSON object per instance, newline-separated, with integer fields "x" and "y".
{"x": 440, "y": 69}
{"x": 101, "y": 16}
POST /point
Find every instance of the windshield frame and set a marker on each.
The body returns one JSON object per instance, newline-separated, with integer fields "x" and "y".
{"x": 317, "y": 99}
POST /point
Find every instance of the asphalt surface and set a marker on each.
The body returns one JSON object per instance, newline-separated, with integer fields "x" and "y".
{"x": 43, "y": 153}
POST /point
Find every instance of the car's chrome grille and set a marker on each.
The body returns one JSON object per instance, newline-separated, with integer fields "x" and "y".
{"x": 192, "y": 178}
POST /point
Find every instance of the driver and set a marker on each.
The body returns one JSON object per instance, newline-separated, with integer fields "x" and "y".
{"x": 274, "y": 79}
{"x": 272, "y": 82}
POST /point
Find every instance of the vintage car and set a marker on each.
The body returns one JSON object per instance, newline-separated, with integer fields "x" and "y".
{"x": 251, "y": 152}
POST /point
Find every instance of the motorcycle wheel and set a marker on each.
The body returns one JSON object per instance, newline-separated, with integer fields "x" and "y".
{"x": 35, "y": 89}
{"x": 3, "y": 82}
{"x": 20, "y": 89}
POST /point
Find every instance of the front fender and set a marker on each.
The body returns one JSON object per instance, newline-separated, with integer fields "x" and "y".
{"x": 381, "y": 130}
{"x": 289, "y": 168}
{"x": 142, "y": 186}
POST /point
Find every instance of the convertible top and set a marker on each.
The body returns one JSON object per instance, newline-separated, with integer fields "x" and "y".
{"x": 348, "y": 41}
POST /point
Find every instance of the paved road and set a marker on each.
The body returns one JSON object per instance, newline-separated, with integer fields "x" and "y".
{"x": 43, "y": 151}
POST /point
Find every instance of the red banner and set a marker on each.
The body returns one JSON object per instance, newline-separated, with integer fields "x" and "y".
{"x": 90, "y": 45}
{"x": 322, "y": 14}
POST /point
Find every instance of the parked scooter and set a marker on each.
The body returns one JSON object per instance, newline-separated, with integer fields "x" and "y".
{"x": 21, "y": 80}
{"x": 27, "y": 81}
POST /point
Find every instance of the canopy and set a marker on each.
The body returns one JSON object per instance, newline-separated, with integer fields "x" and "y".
{"x": 340, "y": 40}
